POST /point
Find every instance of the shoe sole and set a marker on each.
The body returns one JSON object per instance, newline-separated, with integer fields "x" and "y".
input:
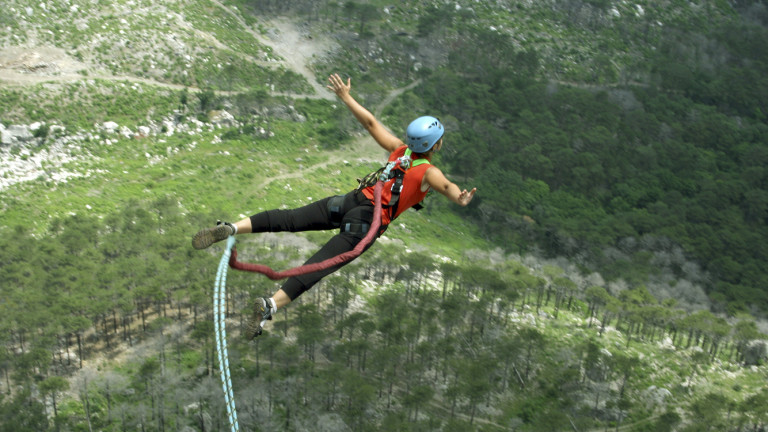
{"x": 253, "y": 328}
{"x": 206, "y": 237}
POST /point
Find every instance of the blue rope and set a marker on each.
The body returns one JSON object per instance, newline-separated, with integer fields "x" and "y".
{"x": 219, "y": 313}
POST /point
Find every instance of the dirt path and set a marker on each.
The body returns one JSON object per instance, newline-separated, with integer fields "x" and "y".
{"x": 394, "y": 94}
{"x": 297, "y": 49}
{"x": 22, "y": 66}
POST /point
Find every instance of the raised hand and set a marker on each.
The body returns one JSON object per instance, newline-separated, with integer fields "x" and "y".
{"x": 338, "y": 86}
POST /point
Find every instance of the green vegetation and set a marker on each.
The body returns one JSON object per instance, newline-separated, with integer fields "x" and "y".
{"x": 80, "y": 105}
{"x": 626, "y": 142}
{"x": 639, "y": 136}
{"x": 191, "y": 43}
{"x": 484, "y": 347}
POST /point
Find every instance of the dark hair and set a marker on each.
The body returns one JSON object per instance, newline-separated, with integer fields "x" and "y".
{"x": 428, "y": 152}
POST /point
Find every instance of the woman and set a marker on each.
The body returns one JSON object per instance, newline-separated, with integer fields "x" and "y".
{"x": 353, "y": 212}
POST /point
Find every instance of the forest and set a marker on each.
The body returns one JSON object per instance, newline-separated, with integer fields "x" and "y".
{"x": 667, "y": 150}
{"x": 640, "y": 136}
{"x": 608, "y": 275}
{"x": 485, "y": 347}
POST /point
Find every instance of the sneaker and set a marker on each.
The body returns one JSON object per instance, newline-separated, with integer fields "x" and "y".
{"x": 262, "y": 312}
{"x": 208, "y": 236}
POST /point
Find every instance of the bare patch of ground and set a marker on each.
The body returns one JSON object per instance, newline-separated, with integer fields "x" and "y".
{"x": 299, "y": 48}
{"x": 31, "y": 65}
{"x": 295, "y": 45}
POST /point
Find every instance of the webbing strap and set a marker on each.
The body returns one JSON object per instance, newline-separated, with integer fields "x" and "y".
{"x": 399, "y": 175}
{"x": 322, "y": 265}
{"x": 417, "y": 162}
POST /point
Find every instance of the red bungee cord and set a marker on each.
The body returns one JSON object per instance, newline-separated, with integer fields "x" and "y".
{"x": 322, "y": 265}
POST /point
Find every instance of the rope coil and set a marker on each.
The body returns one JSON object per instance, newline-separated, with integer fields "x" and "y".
{"x": 219, "y": 294}
{"x": 219, "y": 311}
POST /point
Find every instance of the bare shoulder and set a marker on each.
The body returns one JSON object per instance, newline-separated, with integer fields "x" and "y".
{"x": 433, "y": 171}
{"x": 434, "y": 177}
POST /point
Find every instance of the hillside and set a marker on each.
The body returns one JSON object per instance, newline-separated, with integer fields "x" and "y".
{"x": 128, "y": 125}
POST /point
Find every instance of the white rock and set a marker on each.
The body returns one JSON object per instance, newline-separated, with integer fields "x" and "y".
{"x": 656, "y": 395}
{"x": 15, "y": 133}
{"x": 169, "y": 127}
{"x": 124, "y": 131}
{"x": 4, "y": 135}
{"x": 110, "y": 126}
{"x": 221, "y": 117}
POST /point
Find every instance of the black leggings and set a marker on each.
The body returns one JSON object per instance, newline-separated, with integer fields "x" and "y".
{"x": 355, "y": 209}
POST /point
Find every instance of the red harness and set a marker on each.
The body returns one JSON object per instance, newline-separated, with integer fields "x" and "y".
{"x": 402, "y": 179}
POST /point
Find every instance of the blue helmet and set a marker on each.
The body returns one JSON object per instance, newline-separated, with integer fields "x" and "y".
{"x": 423, "y": 133}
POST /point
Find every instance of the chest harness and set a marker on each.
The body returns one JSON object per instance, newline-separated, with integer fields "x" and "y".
{"x": 392, "y": 170}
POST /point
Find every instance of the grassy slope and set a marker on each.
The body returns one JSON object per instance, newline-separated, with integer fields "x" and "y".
{"x": 236, "y": 177}
{"x": 228, "y": 179}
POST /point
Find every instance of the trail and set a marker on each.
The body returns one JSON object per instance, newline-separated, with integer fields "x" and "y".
{"x": 394, "y": 94}
{"x": 297, "y": 49}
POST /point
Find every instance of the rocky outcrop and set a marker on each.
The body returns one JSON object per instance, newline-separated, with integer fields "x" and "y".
{"x": 756, "y": 353}
{"x": 15, "y": 134}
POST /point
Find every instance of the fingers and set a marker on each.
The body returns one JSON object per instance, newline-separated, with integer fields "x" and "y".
{"x": 332, "y": 80}
{"x": 465, "y": 197}
{"x": 337, "y": 84}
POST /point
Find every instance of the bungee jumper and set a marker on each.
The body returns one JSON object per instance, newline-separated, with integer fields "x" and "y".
{"x": 403, "y": 183}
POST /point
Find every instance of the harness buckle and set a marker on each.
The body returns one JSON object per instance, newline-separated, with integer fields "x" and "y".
{"x": 334, "y": 209}
{"x": 355, "y": 228}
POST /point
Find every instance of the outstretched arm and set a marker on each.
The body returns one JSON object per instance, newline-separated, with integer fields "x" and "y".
{"x": 437, "y": 181}
{"x": 382, "y": 136}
